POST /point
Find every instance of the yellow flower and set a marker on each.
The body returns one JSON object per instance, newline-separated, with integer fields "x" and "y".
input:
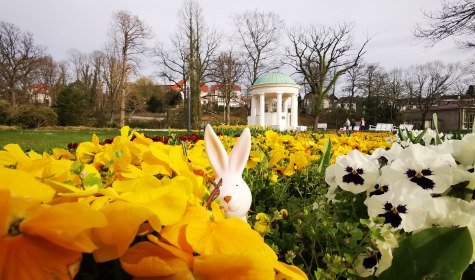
{"x": 255, "y": 157}
{"x": 283, "y": 213}
{"x": 262, "y": 223}
{"x": 14, "y": 157}
{"x": 20, "y": 183}
{"x": 124, "y": 220}
{"x": 62, "y": 154}
{"x": 157, "y": 259}
{"x": 44, "y": 239}
{"x": 227, "y": 266}
{"x": 86, "y": 151}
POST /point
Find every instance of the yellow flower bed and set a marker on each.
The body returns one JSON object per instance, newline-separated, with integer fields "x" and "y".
{"x": 54, "y": 207}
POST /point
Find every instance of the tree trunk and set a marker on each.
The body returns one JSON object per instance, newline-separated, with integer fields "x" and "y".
{"x": 122, "y": 108}
{"x": 195, "y": 92}
{"x": 423, "y": 122}
{"x": 315, "y": 122}
{"x": 13, "y": 97}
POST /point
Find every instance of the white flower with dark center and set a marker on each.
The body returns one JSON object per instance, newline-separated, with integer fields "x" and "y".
{"x": 464, "y": 150}
{"x": 402, "y": 207}
{"x": 421, "y": 167}
{"x": 355, "y": 172}
{"x": 386, "y": 249}
{"x": 375, "y": 262}
{"x": 453, "y": 212}
{"x": 367, "y": 263}
{"x": 385, "y": 157}
{"x": 330, "y": 179}
{"x": 380, "y": 188}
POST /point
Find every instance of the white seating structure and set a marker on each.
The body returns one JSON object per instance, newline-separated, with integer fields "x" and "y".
{"x": 322, "y": 125}
{"x": 356, "y": 128}
{"x": 382, "y": 127}
{"x": 405, "y": 126}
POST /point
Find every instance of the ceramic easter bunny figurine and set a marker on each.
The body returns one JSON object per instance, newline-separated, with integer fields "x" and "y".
{"x": 234, "y": 194}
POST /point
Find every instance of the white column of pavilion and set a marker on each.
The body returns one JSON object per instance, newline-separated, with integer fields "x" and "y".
{"x": 262, "y": 106}
{"x": 253, "y": 110}
{"x": 279, "y": 109}
{"x": 294, "y": 112}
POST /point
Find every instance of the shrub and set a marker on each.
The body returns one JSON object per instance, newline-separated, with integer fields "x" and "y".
{"x": 28, "y": 116}
{"x": 6, "y": 112}
{"x": 73, "y": 108}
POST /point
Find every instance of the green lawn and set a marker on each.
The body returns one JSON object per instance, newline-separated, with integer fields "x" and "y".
{"x": 41, "y": 140}
{"x": 46, "y": 140}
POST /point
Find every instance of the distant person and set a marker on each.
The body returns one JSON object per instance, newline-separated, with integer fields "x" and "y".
{"x": 352, "y": 123}
{"x": 347, "y": 124}
{"x": 362, "y": 124}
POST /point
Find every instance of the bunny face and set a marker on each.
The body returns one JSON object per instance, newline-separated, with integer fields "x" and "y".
{"x": 234, "y": 194}
{"x": 235, "y": 197}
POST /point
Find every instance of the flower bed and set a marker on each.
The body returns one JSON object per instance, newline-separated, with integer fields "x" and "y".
{"x": 140, "y": 202}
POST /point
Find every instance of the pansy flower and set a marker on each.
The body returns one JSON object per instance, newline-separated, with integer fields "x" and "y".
{"x": 40, "y": 241}
{"x": 385, "y": 157}
{"x": 367, "y": 263}
{"x": 378, "y": 189}
{"x": 422, "y": 168}
{"x": 355, "y": 172}
{"x": 463, "y": 150}
{"x": 402, "y": 207}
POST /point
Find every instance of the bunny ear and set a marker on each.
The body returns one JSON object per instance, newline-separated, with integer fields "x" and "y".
{"x": 216, "y": 153}
{"x": 240, "y": 153}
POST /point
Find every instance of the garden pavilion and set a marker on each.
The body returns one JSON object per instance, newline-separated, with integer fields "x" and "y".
{"x": 272, "y": 95}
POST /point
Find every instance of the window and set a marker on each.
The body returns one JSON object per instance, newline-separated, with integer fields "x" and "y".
{"x": 274, "y": 105}
{"x": 468, "y": 121}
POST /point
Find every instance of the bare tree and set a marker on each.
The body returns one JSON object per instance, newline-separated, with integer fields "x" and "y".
{"x": 129, "y": 35}
{"x": 63, "y": 73}
{"x": 455, "y": 18}
{"x": 373, "y": 86}
{"x": 82, "y": 70}
{"x": 353, "y": 79}
{"x": 321, "y": 55}
{"x": 194, "y": 47}
{"x": 226, "y": 71}
{"x": 19, "y": 57}
{"x": 395, "y": 91}
{"x": 112, "y": 81}
{"x": 259, "y": 39}
{"x": 430, "y": 82}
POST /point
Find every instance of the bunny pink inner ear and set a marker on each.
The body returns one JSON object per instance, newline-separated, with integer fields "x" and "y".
{"x": 240, "y": 153}
{"x": 217, "y": 155}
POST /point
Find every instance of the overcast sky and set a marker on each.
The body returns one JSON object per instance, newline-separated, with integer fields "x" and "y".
{"x": 62, "y": 25}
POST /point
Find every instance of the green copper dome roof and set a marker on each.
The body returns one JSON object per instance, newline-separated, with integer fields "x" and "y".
{"x": 274, "y": 78}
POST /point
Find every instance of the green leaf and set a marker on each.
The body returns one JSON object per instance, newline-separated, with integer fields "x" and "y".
{"x": 314, "y": 137}
{"x": 326, "y": 157}
{"x": 91, "y": 180}
{"x": 437, "y": 138}
{"x": 77, "y": 167}
{"x": 356, "y": 234}
{"x": 401, "y": 135}
{"x": 434, "y": 253}
{"x": 419, "y": 137}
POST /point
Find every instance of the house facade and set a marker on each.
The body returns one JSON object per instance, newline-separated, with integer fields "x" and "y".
{"x": 210, "y": 94}
{"x": 454, "y": 112}
{"x": 216, "y": 95}
{"x": 40, "y": 94}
